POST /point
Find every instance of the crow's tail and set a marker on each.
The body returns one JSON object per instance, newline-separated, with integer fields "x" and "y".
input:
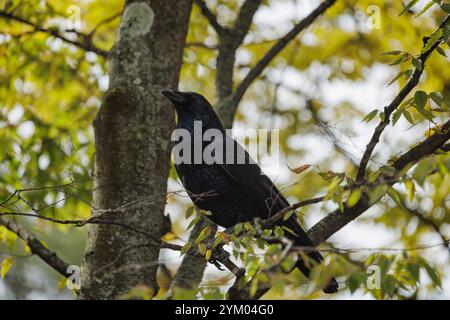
{"x": 302, "y": 240}
{"x": 332, "y": 286}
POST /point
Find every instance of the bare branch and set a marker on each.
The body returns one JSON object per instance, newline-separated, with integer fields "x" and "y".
{"x": 230, "y": 40}
{"x": 410, "y": 85}
{"x": 201, "y": 45}
{"x": 36, "y": 247}
{"x": 85, "y": 43}
{"x": 106, "y": 21}
{"x": 337, "y": 219}
{"x": 337, "y": 144}
{"x": 94, "y": 220}
{"x": 244, "y": 19}
{"x": 428, "y": 222}
{"x": 233, "y": 101}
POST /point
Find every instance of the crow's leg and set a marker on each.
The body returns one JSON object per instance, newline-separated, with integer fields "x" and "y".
{"x": 218, "y": 253}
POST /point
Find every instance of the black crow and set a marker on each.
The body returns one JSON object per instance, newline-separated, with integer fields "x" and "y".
{"x": 233, "y": 191}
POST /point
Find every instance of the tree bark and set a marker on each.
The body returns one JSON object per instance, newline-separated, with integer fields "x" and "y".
{"x": 190, "y": 273}
{"x": 132, "y": 140}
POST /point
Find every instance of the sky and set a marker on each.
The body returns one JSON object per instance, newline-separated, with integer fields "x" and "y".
{"x": 367, "y": 94}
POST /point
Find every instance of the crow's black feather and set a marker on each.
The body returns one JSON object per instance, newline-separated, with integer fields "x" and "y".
{"x": 232, "y": 192}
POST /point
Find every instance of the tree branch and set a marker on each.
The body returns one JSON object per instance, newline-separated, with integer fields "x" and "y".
{"x": 428, "y": 222}
{"x": 244, "y": 19}
{"x": 95, "y": 220}
{"x": 413, "y": 81}
{"x": 230, "y": 40}
{"x": 337, "y": 219}
{"x": 188, "y": 277}
{"x": 337, "y": 144}
{"x": 36, "y": 246}
{"x": 85, "y": 43}
{"x": 230, "y": 105}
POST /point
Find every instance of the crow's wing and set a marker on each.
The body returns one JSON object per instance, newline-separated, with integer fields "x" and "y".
{"x": 268, "y": 200}
{"x": 257, "y": 187}
{"x": 261, "y": 192}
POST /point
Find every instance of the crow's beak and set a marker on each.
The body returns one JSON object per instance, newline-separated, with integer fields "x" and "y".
{"x": 174, "y": 96}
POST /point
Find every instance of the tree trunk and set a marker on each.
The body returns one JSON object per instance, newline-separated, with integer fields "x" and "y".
{"x": 132, "y": 140}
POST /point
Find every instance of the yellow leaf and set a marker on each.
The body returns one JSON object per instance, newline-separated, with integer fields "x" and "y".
{"x": 26, "y": 248}
{"x": 411, "y": 187}
{"x": 169, "y": 236}
{"x": 6, "y": 265}
{"x": 62, "y": 283}
{"x": 208, "y": 254}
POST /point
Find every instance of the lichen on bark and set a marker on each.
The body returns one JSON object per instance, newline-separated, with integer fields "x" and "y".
{"x": 132, "y": 135}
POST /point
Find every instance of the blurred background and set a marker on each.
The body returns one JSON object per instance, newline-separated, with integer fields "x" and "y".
{"x": 316, "y": 92}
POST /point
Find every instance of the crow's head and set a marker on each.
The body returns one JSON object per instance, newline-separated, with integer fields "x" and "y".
{"x": 192, "y": 106}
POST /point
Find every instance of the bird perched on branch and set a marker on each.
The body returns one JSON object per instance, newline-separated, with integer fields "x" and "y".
{"x": 233, "y": 190}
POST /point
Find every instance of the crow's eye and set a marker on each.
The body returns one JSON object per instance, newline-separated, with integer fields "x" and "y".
{"x": 194, "y": 97}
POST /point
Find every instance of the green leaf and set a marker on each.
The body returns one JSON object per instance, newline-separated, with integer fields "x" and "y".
{"x": 425, "y": 9}
{"x": 370, "y": 115}
{"x": 414, "y": 271}
{"x": 354, "y": 197}
{"x": 278, "y": 284}
{"x": 420, "y": 98}
{"x": 408, "y": 116}
{"x": 404, "y": 57}
{"x": 238, "y": 228}
{"x": 395, "y": 196}
{"x": 393, "y": 53}
{"x": 435, "y": 37}
{"x": 194, "y": 222}
{"x": 185, "y": 248}
{"x": 217, "y": 240}
{"x": 202, "y": 248}
{"x": 355, "y": 280}
{"x": 437, "y": 98}
{"x": 279, "y": 232}
{"x": 409, "y": 6}
{"x": 421, "y": 172}
{"x": 203, "y": 234}
{"x": 288, "y": 264}
{"x": 287, "y": 215}
{"x": 253, "y": 287}
{"x": 446, "y": 33}
{"x": 441, "y": 51}
{"x": 377, "y": 193}
{"x": 446, "y": 7}
{"x": 418, "y": 64}
{"x": 425, "y": 113}
{"x": 433, "y": 274}
{"x": 396, "y": 116}
{"x": 189, "y": 212}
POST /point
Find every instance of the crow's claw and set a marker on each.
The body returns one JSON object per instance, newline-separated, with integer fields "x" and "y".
{"x": 218, "y": 255}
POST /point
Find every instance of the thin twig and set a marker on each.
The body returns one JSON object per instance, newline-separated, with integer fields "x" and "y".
{"x": 274, "y": 51}
{"x": 410, "y": 85}
{"x": 36, "y": 246}
{"x": 85, "y": 43}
